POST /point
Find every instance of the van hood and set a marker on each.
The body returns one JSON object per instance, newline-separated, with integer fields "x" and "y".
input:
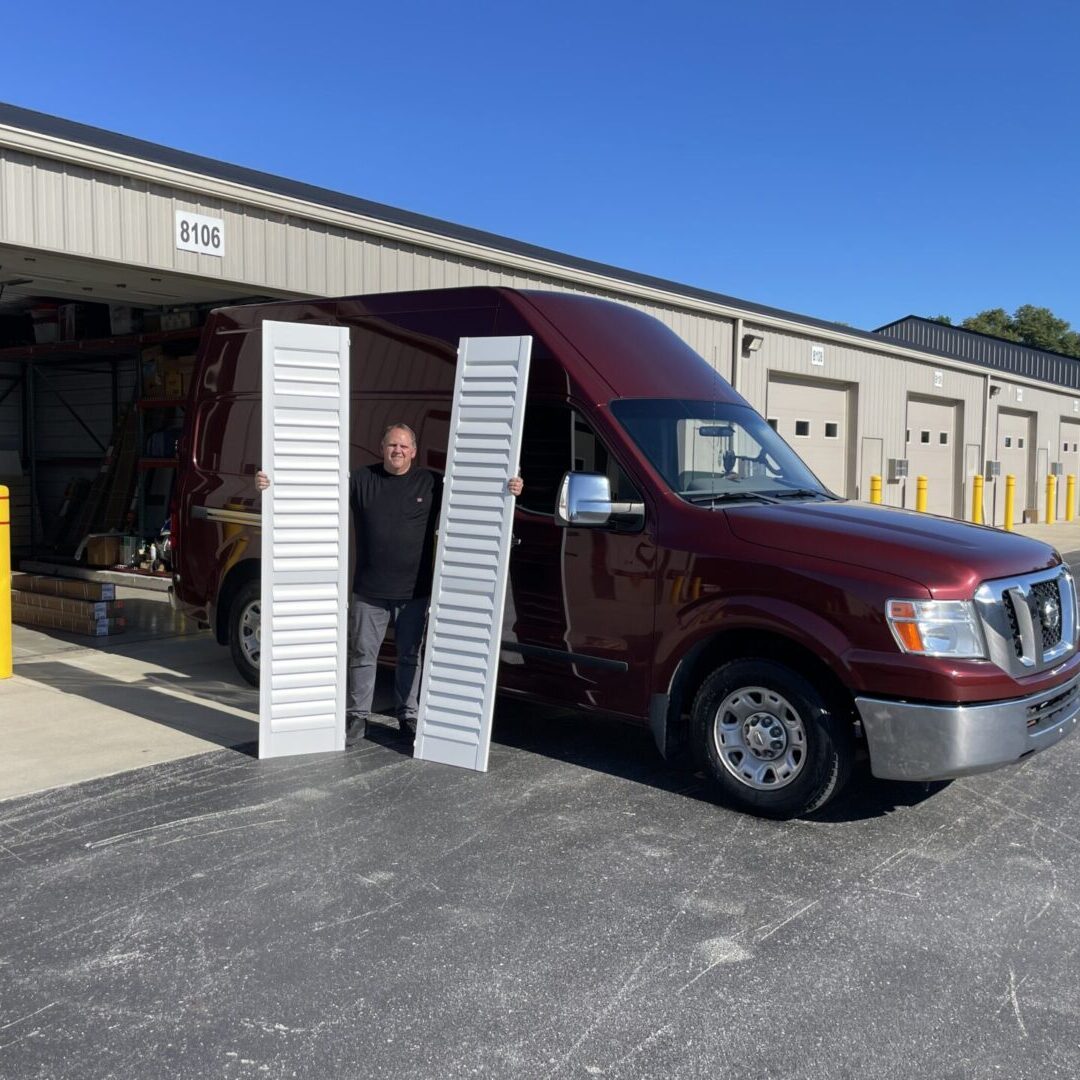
{"x": 945, "y": 555}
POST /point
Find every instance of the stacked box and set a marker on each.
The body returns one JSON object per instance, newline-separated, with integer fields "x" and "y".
{"x": 87, "y": 609}
{"x": 69, "y": 587}
{"x": 82, "y": 607}
{"x": 28, "y": 615}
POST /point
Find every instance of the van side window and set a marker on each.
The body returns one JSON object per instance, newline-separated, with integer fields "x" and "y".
{"x": 557, "y": 440}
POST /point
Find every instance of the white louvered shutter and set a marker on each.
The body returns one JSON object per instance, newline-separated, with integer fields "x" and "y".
{"x": 305, "y": 444}
{"x": 461, "y": 659}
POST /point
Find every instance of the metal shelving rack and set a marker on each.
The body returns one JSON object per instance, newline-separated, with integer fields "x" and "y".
{"x": 96, "y": 355}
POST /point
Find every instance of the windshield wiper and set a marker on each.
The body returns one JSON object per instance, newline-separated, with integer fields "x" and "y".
{"x": 700, "y": 497}
{"x": 802, "y": 493}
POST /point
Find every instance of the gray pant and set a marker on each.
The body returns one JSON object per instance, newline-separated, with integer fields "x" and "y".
{"x": 368, "y": 620}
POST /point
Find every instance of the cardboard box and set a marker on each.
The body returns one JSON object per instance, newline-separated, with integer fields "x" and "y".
{"x": 25, "y": 615}
{"x": 175, "y": 384}
{"x": 71, "y": 587}
{"x": 83, "y": 321}
{"x": 124, "y": 319}
{"x": 85, "y": 609}
{"x": 103, "y": 551}
{"x": 181, "y": 319}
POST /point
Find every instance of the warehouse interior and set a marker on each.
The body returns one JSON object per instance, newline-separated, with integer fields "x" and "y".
{"x": 95, "y": 364}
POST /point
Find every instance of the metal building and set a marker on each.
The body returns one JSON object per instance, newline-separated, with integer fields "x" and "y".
{"x": 89, "y": 215}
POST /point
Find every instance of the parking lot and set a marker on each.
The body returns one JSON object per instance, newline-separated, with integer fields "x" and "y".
{"x": 581, "y": 910}
{"x": 578, "y": 911}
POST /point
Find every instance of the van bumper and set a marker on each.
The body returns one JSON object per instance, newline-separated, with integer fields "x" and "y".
{"x": 938, "y": 742}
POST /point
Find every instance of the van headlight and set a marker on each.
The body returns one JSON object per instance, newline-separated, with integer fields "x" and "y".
{"x": 937, "y": 628}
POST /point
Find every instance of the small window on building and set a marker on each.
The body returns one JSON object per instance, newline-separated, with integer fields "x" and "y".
{"x": 943, "y": 438}
{"x": 832, "y": 430}
{"x": 907, "y": 435}
{"x": 1074, "y": 448}
{"x": 924, "y": 437}
{"x": 1065, "y": 447}
{"x": 1020, "y": 442}
{"x": 1008, "y": 441}
{"x": 773, "y": 423}
{"x": 802, "y": 429}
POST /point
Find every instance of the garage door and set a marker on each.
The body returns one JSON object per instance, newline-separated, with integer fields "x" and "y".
{"x": 1014, "y": 451}
{"x": 813, "y": 419}
{"x": 932, "y": 426}
{"x": 1069, "y": 456}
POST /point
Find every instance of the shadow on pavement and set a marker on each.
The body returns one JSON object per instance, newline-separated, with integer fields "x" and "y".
{"x": 155, "y": 698}
{"x": 623, "y": 750}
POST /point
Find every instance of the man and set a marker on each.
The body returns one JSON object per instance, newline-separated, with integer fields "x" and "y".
{"x": 395, "y": 511}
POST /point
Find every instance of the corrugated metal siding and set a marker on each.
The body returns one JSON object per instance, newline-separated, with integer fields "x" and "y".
{"x": 66, "y": 208}
{"x": 1006, "y": 356}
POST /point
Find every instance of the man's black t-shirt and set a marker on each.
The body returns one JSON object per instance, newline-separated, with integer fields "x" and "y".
{"x": 395, "y": 518}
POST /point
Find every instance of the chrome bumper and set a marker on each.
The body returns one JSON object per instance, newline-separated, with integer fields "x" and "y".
{"x": 937, "y": 742}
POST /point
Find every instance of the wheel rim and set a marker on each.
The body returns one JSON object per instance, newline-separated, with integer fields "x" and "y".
{"x": 251, "y": 633}
{"x": 760, "y": 738}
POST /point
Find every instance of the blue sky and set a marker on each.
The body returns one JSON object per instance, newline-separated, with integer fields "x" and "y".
{"x": 850, "y": 161}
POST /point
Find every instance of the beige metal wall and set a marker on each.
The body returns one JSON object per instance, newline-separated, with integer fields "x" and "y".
{"x": 883, "y": 380}
{"x": 78, "y": 201}
{"x": 57, "y": 206}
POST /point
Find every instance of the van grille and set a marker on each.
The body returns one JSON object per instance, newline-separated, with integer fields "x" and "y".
{"x": 1029, "y": 621}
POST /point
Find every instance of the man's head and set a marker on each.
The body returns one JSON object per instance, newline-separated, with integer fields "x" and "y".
{"x": 398, "y": 448}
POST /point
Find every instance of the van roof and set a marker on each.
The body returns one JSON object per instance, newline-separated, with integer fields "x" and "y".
{"x": 633, "y": 353}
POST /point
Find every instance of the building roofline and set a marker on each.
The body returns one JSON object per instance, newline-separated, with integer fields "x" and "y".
{"x": 101, "y": 139}
{"x": 979, "y": 334}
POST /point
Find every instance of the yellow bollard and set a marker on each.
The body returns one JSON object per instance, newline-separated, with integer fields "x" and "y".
{"x": 1051, "y": 490}
{"x": 1010, "y": 501}
{"x": 976, "y": 499}
{"x": 875, "y": 489}
{"x": 1070, "y": 497}
{"x": 920, "y": 494}
{"x": 5, "y": 583}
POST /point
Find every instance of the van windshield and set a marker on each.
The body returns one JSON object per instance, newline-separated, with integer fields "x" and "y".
{"x": 711, "y": 452}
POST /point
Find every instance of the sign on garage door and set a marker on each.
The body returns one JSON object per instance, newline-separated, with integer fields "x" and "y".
{"x": 932, "y": 452}
{"x": 813, "y": 419}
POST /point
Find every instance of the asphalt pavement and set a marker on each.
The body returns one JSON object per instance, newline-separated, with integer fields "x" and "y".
{"x": 581, "y": 910}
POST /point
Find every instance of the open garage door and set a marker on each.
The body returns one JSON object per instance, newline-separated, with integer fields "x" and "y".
{"x": 932, "y": 449}
{"x": 814, "y": 418}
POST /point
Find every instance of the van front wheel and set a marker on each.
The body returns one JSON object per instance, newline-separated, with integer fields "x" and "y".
{"x": 768, "y": 740}
{"x": 245, "y": 633}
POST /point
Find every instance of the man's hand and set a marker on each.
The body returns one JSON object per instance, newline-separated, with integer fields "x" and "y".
{"x": 262, "y": 481}
{"x": 514, "y": 486}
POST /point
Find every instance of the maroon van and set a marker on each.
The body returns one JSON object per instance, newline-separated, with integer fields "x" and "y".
{"x": 674, "y": 562}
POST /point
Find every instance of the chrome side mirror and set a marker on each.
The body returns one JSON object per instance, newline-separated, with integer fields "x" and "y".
{"x": 585, "y": 499}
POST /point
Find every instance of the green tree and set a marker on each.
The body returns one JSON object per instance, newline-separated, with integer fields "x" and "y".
{"x": 996, "y": 322}
{"x": 1038, "y": 327}
{"x": 942, "y": 319}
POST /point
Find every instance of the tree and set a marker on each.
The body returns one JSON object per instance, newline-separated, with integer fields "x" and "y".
{"x": 1037, "y": 327}
{"x": 944, "y": 319}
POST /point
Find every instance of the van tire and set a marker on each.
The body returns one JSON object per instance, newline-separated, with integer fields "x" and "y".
{"x": 244, "y": 615}
{"x": 768, "y": 740}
